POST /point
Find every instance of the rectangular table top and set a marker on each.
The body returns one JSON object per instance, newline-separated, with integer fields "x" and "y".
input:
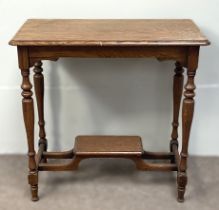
{"x": 109, "y": 32}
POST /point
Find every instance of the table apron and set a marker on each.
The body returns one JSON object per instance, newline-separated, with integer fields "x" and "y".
{"x": 176, "y": 53}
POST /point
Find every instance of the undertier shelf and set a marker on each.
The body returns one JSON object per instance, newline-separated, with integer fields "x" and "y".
{"x": 129, "y": 147}
{"x": 108, "y": 146}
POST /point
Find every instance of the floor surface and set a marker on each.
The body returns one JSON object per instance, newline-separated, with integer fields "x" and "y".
{"x": 111, "y": 184}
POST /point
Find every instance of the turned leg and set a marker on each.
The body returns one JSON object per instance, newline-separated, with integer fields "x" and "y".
{"x": 177, "y": 95}
{"x": 28, "y": 113}
{"x": 187, "y": 116}
{"x": 39, "y": 92}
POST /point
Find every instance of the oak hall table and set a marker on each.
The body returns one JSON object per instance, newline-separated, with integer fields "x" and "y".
{"x": 50, "y": 39}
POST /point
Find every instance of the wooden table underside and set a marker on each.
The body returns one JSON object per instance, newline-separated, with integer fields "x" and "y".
{"x": 184, "y": 49}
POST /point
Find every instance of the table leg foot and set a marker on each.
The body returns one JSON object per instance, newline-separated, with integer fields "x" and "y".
{"x": 34, "y": 192}
{"x": 181, "y": 182}
{"x": 33, "y": 181}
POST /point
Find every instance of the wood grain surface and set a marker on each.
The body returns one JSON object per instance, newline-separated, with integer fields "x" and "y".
{"x": 111, "y": 32}
{"x": 104, "y": 145}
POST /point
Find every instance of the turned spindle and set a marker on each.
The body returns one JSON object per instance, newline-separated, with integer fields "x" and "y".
{"x": 187, "y": 116}
{"x": 177, "y": 96}
{"x": 39, "y": 92}
{"x": 28, "y": 113}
